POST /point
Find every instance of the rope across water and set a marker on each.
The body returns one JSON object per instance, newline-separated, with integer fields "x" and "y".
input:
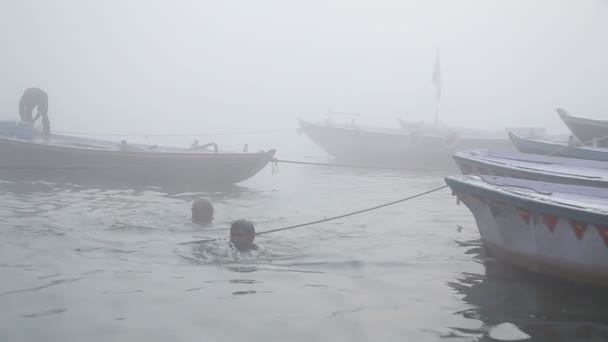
{"x": 275, "y": 161}
{"x": 333, "y": 217}
{"x": 275, "y": 169}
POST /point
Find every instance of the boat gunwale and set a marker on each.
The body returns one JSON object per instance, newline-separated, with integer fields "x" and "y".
{"x": 482, "y": 187}
{"x": 557, "y": 148}
{"x": 487, "y": 159}
{"x": 567, "y": 117}
{"x": 162, "y": 154}
{"x": 396, "y": 133}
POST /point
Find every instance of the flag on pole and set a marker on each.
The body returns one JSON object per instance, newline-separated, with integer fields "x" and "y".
{"x": 437, "y": 77}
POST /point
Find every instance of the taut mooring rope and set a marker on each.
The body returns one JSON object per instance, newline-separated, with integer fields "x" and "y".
{"x": 333, "y": 217}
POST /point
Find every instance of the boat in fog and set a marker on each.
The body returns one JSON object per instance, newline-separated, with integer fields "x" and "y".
{"x": 586, "y": 130}
{"x": 554, "y": 229}
{"x": 69, "y": 157}
{"x": 413, "y": 148}
{"x": 533, "y": 167}
{"x": 558, "y": 149}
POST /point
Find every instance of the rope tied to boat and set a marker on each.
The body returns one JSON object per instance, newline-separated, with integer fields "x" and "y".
{"x": 276, "y": 161}
{"x": 584, "y": 144}
{"x": 275, "y": 166}
{"x": 327, "y": 219}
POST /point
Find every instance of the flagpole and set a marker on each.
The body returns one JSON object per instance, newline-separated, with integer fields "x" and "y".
{"x": 437, "y": 112}
{"x": 437, "y": 84}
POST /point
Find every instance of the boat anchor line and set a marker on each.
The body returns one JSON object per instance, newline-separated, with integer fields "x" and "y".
{"x": 275, "y": 166}
{"x": 327, "y": 219}
{"x": 276, "y": 161}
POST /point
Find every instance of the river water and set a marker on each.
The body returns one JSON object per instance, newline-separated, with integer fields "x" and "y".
{"x": 102, "y": 262}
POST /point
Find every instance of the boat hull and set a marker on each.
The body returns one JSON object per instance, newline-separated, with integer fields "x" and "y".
{"x": 539, "y": 236}
{"x": 557, "y": 149}
{"x": 414, "y": 150}
{"x": 539, "y": 168}
{"x": 586, "y": 129}
{"x": 47, "y": 161}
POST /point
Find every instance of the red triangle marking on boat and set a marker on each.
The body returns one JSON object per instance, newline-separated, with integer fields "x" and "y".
{"x": 499, "y": 203}
{"x": 550, "y": 221}
{"x": 477, "y": 197}
{"x": 603, "y": 230}
{"x": 525, "y": 215}
{"x": 579, "y": 228}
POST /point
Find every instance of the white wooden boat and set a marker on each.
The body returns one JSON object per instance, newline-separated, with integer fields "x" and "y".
{"x": 558, "y": 149}
{"x": 414, "y": 148}
{"x": 70, "y": 157}
{"x": 533, "y": 167}
{"x": 555, "y": 229}
{"x": 444, "y": 129}
{"x": 586, "y": 130}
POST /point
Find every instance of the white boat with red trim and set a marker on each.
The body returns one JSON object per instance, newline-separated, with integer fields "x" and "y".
{"x": 554, "y": 229}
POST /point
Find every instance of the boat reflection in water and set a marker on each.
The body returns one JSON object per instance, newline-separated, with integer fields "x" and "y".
{"x": 543, "y": 308}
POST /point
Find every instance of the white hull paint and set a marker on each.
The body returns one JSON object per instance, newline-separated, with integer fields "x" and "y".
{"x": 416, "y": 150}
{"x": 533, "y": 167}
{"x": 48, "y": 160}
{"x": 545, "y": 230}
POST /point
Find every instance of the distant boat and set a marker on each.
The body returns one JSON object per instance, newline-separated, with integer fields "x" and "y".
{"x": 70, "y": 157}
{"x": 558, "y": 149}
{"x": 442, "y": 129}
{"x": 586, "y": 129}
{"x": 533, "y": 167}
{"x": 412, "y": 149}
{"x": 553, "y": 229}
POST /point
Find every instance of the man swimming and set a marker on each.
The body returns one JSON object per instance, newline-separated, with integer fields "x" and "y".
{"x": 35, "y": 98}
{"x": 242, "y": 234}
{"x": 202, "y": 211}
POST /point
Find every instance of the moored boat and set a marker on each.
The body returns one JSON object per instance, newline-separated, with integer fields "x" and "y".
{"x": 443, "y": 129}
{"x": 414, "y": 148}
{"x": 586, "y": 130}
{"x": 533, "y": 167}
{"x": 67, "y": 157}
{"x": 554, "y": 229}
{"x": 559, "y": 149}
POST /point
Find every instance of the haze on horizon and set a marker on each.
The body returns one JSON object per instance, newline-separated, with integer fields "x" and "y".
{"x": 209, "y": 66}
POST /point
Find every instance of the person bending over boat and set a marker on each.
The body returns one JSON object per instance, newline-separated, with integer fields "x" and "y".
{"x": 35, "y": 98}
{"x": 594, "y": 142}
{"x": 573, "y": 142}
{"x": 242, "y": 234}
{"x": 202, "y": 211}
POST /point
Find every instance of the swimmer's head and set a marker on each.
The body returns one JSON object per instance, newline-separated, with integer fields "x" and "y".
{"x": 202, "y": 211}
{"x": 242, "y": 234}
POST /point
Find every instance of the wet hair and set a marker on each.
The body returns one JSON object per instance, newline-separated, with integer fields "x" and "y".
{"x": 244, "y": 226}
{"x": 203, "y": 208}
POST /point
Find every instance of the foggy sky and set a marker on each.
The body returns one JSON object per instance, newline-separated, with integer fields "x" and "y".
{"x": 205, "y": 66}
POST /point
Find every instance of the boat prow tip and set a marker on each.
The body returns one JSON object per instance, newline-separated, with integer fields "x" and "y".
{"x": 562, "y": 112}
